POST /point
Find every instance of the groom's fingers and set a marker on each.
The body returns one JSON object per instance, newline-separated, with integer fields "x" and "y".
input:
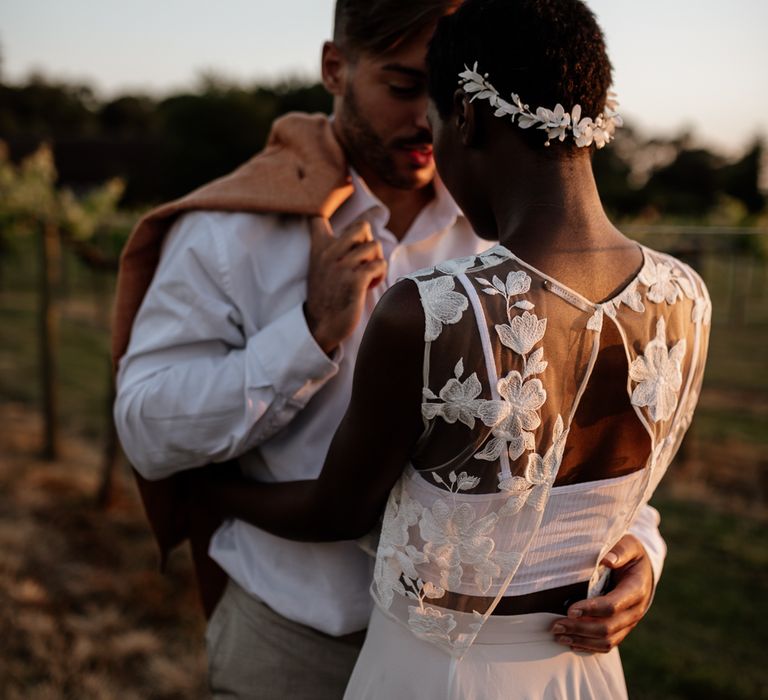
{"x": 597, "y": 634}
{"x": 601, "y": 623}
{"x": 632, "y": 576}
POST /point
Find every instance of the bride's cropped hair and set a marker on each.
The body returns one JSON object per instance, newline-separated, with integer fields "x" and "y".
{"x": 540, "y": 64}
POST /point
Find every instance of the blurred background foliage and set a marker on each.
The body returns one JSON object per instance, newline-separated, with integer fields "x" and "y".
{"x": 163, "y": 147}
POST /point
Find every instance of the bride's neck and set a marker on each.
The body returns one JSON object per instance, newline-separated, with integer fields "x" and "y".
{"x": 550, "y": 206}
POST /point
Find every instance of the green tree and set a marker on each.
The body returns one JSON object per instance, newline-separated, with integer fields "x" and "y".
{"x": 741, "y": 179}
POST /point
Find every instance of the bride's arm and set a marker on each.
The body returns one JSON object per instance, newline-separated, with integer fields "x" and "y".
{"x": 369, "y": 450}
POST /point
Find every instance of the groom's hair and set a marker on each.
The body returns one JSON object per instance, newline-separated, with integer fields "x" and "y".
{"x": 545, "y": 51}
{"x": 379, "y": 26}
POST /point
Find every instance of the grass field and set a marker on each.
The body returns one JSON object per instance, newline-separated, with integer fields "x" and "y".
{"x": 704, "y": 637}
{"x": 91, "y": 576}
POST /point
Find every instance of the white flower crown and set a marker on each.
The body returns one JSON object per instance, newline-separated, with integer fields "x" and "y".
{"x": 556, "y": 122}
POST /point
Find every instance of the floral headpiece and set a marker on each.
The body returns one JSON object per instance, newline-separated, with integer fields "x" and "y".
{"x": 556, "y": 123}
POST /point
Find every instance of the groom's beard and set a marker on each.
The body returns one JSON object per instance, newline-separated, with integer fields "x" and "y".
{"x": 366, "y": 147}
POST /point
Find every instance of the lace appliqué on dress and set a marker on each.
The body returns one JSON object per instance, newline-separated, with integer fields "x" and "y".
{"x": 658, "y": 373}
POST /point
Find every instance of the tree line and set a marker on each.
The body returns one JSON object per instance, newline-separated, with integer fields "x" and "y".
{"x": 162, "y": 147}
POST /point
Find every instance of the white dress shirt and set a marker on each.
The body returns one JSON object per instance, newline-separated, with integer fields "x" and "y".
{"x": 221, "y": 364}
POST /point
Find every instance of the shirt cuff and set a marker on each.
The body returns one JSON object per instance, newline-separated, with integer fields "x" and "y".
{"x": 289, "y": 356}
{"x": 646, "y": 528}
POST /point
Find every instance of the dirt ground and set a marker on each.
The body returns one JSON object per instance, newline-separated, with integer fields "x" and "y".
{"x": 83, "y": 613}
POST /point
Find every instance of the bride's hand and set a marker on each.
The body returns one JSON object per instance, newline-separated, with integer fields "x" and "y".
{"x": 600, "y": 624}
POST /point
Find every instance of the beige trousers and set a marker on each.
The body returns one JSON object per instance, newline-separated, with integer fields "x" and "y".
{"x": 256, "y": 654}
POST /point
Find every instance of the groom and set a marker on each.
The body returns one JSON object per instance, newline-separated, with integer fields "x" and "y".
{"x": 240, "y": 311}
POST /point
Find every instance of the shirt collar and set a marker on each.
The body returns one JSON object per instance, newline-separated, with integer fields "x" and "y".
{"x": 363, "y": 204}
{"x": 439, "y": 214}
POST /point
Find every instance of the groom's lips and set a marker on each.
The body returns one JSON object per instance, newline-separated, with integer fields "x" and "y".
{"x": 419, "y": 155}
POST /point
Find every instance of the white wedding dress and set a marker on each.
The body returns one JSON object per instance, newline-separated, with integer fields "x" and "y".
{"x": 515, "y": 365}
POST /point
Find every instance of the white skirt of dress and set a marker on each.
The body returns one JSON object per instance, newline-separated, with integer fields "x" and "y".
{"x": 513, "y": 658}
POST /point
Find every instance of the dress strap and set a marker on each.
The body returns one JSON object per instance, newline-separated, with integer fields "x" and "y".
{"x": 490, "y": 363}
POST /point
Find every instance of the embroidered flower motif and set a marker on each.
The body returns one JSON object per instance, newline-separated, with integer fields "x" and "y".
{"x": 455, "y": 536}
{"x": 395, "y": 557}
{"x": 523, "y": 399}
{"x": 493, "y": 567}
{"x": 461, "y": 402}
{"x": 517, "y": 488}
{"x": 665, "y": 283}
{"x": 542, "y": 471}
{"x": 523, "y": 332}
{"x": 441, "y": 305}
{"x": 431, "y": 624}
{"x": 533, "y": 489}
{"x": 659, "y": 375}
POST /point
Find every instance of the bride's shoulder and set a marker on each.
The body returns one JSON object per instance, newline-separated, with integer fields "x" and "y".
{"x": 399, "y": 315}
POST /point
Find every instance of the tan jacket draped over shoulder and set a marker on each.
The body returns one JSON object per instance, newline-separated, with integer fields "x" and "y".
{"x": 301, "y": 171}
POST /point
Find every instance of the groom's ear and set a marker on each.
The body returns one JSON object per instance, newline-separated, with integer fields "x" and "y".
{"x": 466, "y": 119}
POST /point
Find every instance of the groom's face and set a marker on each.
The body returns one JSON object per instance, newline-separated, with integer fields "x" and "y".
{"x": 380, "y": 112}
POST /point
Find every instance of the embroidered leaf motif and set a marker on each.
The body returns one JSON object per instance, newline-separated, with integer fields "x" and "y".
{"x": 525, "y": 305}
{"x": 535, "y": 364}
{"x": 514, "y": 484}
{"x": 631, "y": 297}
{"x": 595, "y": 323}
{"x": 457, "y": 266}
{"x": 492, "y": 450}
{"x": 702, "y": 311}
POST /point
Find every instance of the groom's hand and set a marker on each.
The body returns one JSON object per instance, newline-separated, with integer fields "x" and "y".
{"x": 341, "y": 270}
{"x": 600, "y": 624}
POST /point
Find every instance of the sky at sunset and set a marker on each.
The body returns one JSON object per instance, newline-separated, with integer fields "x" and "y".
{"x": 698, "y": 64}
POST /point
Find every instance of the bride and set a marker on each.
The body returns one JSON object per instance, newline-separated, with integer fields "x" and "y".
{"x": 511, "y": 411}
